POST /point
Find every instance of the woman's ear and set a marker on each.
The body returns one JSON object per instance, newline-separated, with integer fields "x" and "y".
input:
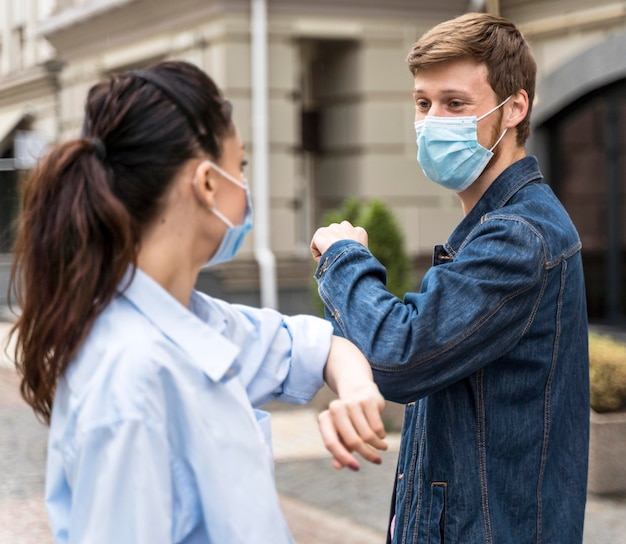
{"x": 203, "y": 185}
{"x": 518, "y": 109}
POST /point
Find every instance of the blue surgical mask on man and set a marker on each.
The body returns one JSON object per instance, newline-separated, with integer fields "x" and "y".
{"x": 235, "y": 234}
{"x": 448, "y": 150}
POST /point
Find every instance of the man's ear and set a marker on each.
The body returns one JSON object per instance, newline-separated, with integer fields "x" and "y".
{"x": 517, "y": 110}
{"x": 203, "y": 185}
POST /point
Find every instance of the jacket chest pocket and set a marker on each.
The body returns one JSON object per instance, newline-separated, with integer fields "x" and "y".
{"x": 437, "y": 513}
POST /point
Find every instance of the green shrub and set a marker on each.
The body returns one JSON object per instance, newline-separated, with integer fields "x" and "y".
{"x": 385, "y": 240}
{"x": 349, "y": 211}
{"x": 607, "y": 373}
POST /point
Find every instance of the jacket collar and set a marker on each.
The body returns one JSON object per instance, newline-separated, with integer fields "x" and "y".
{"x": 505, "y": 186}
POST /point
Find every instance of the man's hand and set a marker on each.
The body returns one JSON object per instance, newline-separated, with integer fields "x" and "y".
{"x": 324, "y": 237}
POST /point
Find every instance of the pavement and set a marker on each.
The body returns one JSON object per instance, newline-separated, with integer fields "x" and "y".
{"x": 322, "y": 505}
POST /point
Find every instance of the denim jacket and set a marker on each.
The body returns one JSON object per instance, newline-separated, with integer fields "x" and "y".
{"x": 491, "y": 360}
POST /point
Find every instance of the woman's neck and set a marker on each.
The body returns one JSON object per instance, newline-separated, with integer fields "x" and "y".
{"x": 165, "y": 257}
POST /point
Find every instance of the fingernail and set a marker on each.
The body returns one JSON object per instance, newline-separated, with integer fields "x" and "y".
{"x": 354, "y": 467}
{"x": 378, "y": 461}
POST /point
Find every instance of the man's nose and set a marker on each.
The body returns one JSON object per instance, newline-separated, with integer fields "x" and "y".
{"x": 436, "y": 109}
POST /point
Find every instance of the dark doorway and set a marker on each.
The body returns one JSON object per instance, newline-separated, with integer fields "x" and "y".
{"x": 9, "y": 205}
{"x": 328, "y": 99}
{"x": 587, "y": 143}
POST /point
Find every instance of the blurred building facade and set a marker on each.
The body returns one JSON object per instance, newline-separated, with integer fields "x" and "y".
{"x": 340, "y": 112}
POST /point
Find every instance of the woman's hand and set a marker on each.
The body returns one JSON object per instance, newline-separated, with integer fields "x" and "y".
{"x": 353, "y": 423}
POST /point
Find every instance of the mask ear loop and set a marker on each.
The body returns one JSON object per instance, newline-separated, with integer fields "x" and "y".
{"x": 233, "y": 180}
{"x": 213, "y": 209}
{"x": 494, "y": 109}
{"x": 227, "y": 175}
{"x": 225, "y": 219}
{"x": 498, "y": 140}
{"x": 490, "y": 112}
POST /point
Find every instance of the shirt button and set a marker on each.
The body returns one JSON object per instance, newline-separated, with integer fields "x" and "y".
{"x": 400, "y": 476}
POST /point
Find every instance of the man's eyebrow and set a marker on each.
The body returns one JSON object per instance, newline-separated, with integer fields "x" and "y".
{"x": 445, "y": 91}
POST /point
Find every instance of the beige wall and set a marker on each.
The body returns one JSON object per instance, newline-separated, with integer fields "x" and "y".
{"x": 27, "y": 80}
{"x": 367, "y": 130}
{"x": 368, "y": 116}
{"x": 558, "y": 30}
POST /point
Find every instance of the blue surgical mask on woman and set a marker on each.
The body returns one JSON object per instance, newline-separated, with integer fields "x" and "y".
{"x": 448, "y": 150}
{"x": 235, "y": 234}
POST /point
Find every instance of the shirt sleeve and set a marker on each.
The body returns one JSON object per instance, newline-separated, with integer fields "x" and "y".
{"x": 117, "y": 467}
{"x": 470, "y": 311}
{"x": 282, "y": 357}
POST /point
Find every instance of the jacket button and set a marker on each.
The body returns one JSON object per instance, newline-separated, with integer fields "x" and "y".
{"x": 400, "y": 476}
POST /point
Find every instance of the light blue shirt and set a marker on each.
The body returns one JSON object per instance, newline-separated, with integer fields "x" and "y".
{"x": 154, "y": 438}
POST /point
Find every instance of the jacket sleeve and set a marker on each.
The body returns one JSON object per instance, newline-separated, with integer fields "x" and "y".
{"x": 469, "y": 312}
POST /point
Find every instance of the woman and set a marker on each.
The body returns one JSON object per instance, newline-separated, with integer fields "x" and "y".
{"x": 148, "y": 385}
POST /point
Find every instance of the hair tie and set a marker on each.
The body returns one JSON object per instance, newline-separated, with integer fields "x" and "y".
{"x": 99, "y": 149}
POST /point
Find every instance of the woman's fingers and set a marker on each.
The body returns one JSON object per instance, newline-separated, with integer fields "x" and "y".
{"x": 330, "y": 436}
{"x": 348, "y": 427}
{"x": 356, "y": 431}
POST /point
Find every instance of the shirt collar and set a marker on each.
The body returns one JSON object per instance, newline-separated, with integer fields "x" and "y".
{"x": 214, "y": 353}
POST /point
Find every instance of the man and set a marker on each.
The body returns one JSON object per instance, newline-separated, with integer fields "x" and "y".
{"x": 491, "y": 355}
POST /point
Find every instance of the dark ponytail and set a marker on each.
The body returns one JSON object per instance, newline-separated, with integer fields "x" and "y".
{"x": 85, "y": 205}
{"x": 74, "y": 243}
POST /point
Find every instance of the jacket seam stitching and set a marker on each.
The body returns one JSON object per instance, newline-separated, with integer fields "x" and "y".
{"x": 531, "y": 177}
{"x": 547, "y": 407}
{"x": 533, "y": 314}
{"x": 482, "y": 457}
{"x": 416, "y": 467}
{"x": 506, "y": 217}
{"x": 567, "y": 254}
{"x": 330, "y": 261}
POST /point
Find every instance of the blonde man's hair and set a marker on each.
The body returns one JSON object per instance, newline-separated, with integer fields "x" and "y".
{"x": 487, "y": 39}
